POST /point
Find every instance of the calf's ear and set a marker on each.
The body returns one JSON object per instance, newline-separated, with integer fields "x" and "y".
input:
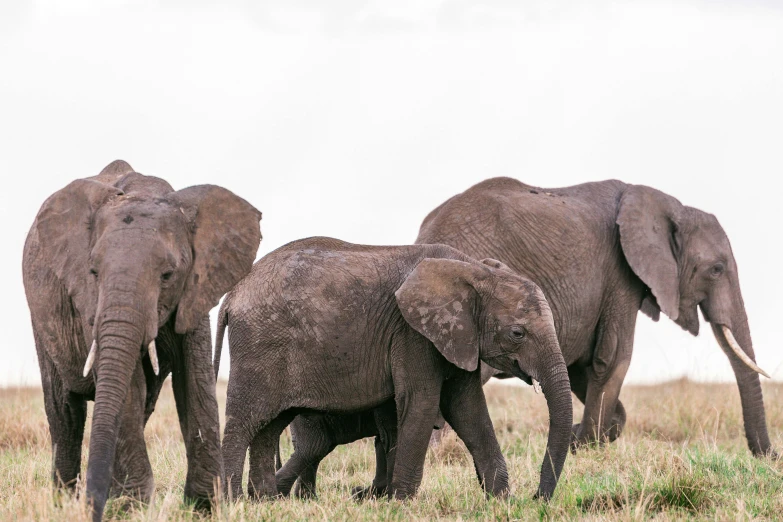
{"x": 439, "y": 300}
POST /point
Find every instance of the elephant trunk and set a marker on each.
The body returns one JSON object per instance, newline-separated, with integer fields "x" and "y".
{"x": 748, "y": 383}
{"x": 557, "y": 391}
{"x": 120, "y": 335}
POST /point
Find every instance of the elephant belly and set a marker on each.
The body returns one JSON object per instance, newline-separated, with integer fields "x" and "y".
{"x": 341, "y": 378}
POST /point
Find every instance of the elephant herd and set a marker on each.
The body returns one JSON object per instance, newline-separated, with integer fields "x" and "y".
{"x": 344, "y": 341}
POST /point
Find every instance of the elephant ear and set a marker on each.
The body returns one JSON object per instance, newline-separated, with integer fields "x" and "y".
{"x": 438, "y": 300}
{"x": 64, "y": 227}
{"x": 226, "y": 235}
{"x": 650, "y": 240}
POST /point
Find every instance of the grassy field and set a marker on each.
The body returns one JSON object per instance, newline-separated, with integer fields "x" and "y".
{"x": 683, "y": 455}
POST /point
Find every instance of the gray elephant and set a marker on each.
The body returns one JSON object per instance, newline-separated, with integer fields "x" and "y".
{"x": 601, "y": 252}
{"x": 325, "y": 326}
{"x": 120, "y": 272}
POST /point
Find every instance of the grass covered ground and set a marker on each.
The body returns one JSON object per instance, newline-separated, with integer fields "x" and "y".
{"x": 683, "y": 455}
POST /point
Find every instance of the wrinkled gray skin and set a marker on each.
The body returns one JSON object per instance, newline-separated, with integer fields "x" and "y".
{"x": 325, "y": 326}
{"x": 123, "y": 259}
{"x": 601, "y": 252}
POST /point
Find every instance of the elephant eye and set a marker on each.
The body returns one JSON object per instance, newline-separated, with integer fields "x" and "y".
{"x": 517, "y": 333}
{"x": 716, "y": 271}
{"x": 93, "y": 272}
{"x": 166, "y": 276}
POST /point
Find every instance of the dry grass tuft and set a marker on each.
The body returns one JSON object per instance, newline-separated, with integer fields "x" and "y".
{"x": 683, "y": 455}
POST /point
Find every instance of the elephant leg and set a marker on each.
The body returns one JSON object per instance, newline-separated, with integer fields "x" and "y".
{"x": 312, "y": 443}
{"x": 386, "y": 421}
{"x": 241, "y": 427}
{"x": 306, "y": 485}
{"x": 603, "y": 413}
{"x": 416, "y": 412}
{"x": 132, "y": 473}
{"x": 487, "y": 372}
{"x": 193, "y": 381}
{"x": 66, "y": 413}
{"x": 261, "y": 479}
{"x": 385, "y": 417}
{"x": 380, "y": 482}
{"x": 464, "y": 406}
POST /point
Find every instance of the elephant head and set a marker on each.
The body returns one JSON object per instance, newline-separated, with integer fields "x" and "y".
{"x": 684, "y": 257}
{"x": 133, "y": 254}
{"x": 473, "y": 311}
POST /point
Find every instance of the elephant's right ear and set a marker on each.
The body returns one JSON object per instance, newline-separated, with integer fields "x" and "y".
{"x": 64, "y": 226}
{"x": 438, "y": 300}
{"x": 650, "y": 241}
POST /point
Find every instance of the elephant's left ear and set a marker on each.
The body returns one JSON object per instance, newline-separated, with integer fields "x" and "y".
{"x": 438, "y": 300}
{"x": 650, "y": 239}
{"x": 226, "y": 235}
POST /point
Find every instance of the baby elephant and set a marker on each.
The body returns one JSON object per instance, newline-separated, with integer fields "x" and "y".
{"x": 324, "y": 326}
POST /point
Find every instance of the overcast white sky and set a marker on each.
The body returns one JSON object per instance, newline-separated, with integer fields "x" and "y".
{"x": 354, "y": 119}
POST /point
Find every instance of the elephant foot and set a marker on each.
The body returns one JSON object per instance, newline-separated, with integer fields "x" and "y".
{"x": 201, "y": 504}
{"x": 265, "y": 491}
{"x": 770, "y": 453}
{"x": 139, "y": 493}
{"x": 118, "y": 506}
{"x": 360, "y": 493}
{"x": 304, "y": 492}
{"x": 579, "y": 441}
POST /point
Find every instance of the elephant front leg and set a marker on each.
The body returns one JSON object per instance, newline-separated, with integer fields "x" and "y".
{"x": 66, "y": 413}
{"x": 465, "y": 408}
{"x": 416, "y": 413}
{"x": 193, "y": 381}
{"x": 132, "y": 474}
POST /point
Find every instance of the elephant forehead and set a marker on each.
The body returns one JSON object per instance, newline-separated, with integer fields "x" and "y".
{"x": 534, "y": 302}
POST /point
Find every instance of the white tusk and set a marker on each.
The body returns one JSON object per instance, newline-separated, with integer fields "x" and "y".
{"x": 536, "y": 386}
{"x": 90, "y": 359}
{"x": 739, "y": 352}
{"x": 154, "y": 357}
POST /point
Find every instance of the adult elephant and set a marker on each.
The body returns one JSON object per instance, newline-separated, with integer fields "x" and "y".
{"x": 601, "y": 252}
{"x": 120, "y": 272}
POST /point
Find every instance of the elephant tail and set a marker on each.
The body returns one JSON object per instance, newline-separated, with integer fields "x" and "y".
{"x": 221, "y": 330}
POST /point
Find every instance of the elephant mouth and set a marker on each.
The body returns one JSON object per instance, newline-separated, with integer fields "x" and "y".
{"x": 520, "y": 373}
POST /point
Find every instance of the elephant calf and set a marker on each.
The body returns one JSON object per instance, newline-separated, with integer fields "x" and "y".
{"x": 325, "y": 326}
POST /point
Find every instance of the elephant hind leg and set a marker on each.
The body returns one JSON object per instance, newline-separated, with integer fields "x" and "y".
{"x": 617, "y": 423}
{"x": 261, "y": 480}
{"x": 312, "y": 443}
{"x": 611, "y": 425}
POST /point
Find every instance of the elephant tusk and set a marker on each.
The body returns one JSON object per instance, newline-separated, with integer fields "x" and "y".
{"x": 739, "y": 352}
{"x": 536, "y": 386}
{"x": 90, "y": 359}
{"x": 153, "y": 351}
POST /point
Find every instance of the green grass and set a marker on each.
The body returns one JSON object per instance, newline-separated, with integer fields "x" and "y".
{"x": 683, "y": 456}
